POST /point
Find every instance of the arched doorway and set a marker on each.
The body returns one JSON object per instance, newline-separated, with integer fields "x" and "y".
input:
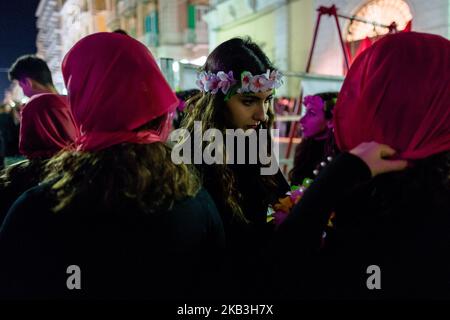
{"x": 361, "y": 35}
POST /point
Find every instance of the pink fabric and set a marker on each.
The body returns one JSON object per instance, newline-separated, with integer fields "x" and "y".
{"x": 408, "y": 27}
{"x": 362, "y": 45}
{"x": 46, "y": 127}
{"x": 115, "y": 86}
{"x": 366, "y": 43}
{"x": 397, "y": 92}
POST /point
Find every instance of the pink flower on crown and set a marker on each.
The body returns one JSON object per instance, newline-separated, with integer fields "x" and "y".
{"x": 260, "y": 83}
{"x": 246, "y": 78}
{"x": 209, "y": 82}
{"x": 201, "y": 79}
{"x": 212, "y": 83}
{"x": 275, "y": 77}
{"x": 310, "y": 101}
{"x": 226, "y": 81}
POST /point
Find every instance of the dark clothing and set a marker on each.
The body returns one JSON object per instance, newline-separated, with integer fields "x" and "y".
{"x": 306, "y": 162}
{"x": 2, "y": 152}
{"x": 246, "y": 242}
{"x": 308, "y": 156}
{"x": 18, "y": 178}
{"x": 255, "y": 199}
{"x": 10, "y": 134}
{"x": 390, "y": 221}
{"x": 121, "y": 254}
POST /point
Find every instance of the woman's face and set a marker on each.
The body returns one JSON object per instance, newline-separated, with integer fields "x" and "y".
{"x": 313, "y": 122}
{"x": 248, "y": 110}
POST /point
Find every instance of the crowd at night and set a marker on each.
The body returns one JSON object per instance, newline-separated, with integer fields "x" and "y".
{"x": 125, "y": 186}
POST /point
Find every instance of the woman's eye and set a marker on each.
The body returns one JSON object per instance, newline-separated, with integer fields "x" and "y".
{"x": 247, "y": 102}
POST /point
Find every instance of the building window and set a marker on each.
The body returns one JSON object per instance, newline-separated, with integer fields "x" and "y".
{"x": 191, "y": 17}
{"x": 151, "y": 28}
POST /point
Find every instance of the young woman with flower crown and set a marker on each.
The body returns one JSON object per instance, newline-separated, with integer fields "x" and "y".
{"x": 238, "y": 83}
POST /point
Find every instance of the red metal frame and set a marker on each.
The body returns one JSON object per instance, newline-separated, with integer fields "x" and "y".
{"x": 330, "y": 11}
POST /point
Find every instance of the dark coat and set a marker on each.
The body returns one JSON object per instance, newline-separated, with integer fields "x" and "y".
{"x": 393, "y": 221}
{"x": 121, "y": 254}
{"x": 247, "y": 243}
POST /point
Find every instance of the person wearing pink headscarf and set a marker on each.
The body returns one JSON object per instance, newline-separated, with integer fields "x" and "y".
{"x": 117, "y": 208}
{"x": 46, "y": 127}
{"x": 389, "y": 188}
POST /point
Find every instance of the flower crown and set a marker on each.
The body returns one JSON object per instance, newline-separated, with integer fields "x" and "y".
{"x": 314, "y": 100}
{"x": 210, "y": 82}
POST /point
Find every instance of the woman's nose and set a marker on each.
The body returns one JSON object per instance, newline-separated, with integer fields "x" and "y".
{"x": 260, "y": 113}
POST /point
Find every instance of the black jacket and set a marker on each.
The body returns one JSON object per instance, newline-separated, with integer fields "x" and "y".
{"x": 121, "y": 254}
{"x": 247, "y": 243}
{"x": 390, "y": 221}
{"x": 18, "y": 178}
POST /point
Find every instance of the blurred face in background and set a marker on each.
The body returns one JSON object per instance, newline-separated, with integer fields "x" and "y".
{"x": 313, "y": 124}
{"x": 26, "y": 86}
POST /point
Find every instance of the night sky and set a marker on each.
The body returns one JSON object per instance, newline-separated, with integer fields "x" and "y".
{"x": 17, "y": 34}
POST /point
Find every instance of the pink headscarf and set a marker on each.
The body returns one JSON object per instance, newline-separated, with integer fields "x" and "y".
{"x": 115, "y": 86}
{"x": 397, "y": 92}
{"x": 46, "y": 127}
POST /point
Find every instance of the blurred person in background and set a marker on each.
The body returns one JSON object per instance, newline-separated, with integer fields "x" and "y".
{"x": 317, "y": 146}
{"x": 47, "y": 126}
